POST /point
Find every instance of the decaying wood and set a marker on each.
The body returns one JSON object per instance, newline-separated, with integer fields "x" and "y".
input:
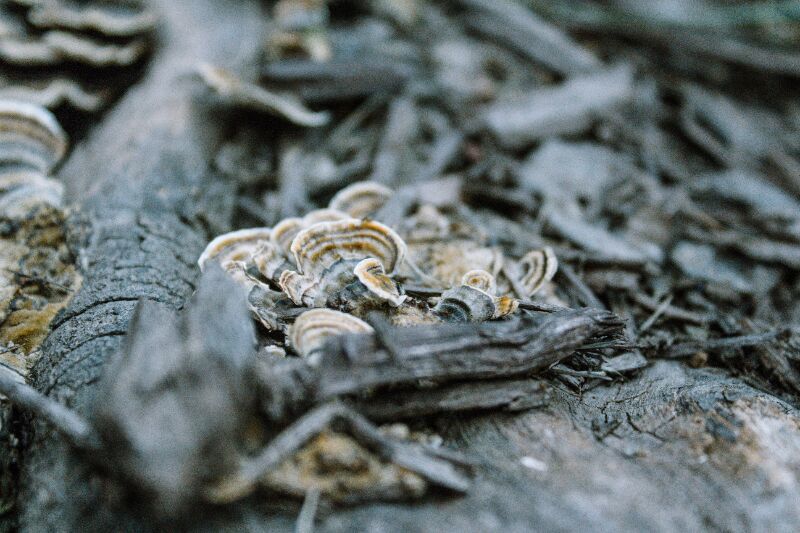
{"x": 671, "y": 448}
{"x": 527, "y": 345}
{"x": 142, "y": 224}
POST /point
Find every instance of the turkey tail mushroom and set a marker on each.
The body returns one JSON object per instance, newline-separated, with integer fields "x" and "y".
{"x": 362, "y": 199}
{"x": 474, "y": 300}
{"x": 540, "y": 267}
{"x": 311, "y": 329}
{"x": 30, "y": 137}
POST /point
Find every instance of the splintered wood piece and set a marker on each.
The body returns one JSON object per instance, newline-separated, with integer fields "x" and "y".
{"x": 504, "y": 395}
{"x": 527, "y": 344}
{"x": 569, "y": 108}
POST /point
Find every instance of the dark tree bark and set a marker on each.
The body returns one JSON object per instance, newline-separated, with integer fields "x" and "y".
{"x": 147, "y": 202}
{"x": 672, "y": 449}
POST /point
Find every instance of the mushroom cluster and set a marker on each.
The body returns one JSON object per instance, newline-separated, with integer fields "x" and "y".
{"x": 325, "y": 273}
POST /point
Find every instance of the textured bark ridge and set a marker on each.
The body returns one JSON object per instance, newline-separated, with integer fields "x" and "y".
{"x": 672, "y": 449}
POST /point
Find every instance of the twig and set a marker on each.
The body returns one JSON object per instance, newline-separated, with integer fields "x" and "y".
{"x": 39, "y": 279}
{"x": 305, "y": 520}
{"x": 427, "y": 463}
{"x": 561, "y": 369}
{"x": 662, "y": 307}
{"x": 586, "y": 294}
{"x": 519, "y": 290}
{"x": 422, "y": 292}
{"x": 669, "y": 311}
{"x": 686, "y": 349}
{"x": 73, "y": 427}
{"x": 529, "y": 305}
{"x": 449, "y": 352}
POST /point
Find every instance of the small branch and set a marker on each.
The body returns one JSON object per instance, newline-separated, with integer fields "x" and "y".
{"x": 669, "y": 311}
{"x": 541, "y": 307}
{"x": 73, "y": 427}
{"x": 586, "y": 294}
{"x": 305, "y": 520}
{"x": 440, "y": 468}
{"x": 662, "y": 307}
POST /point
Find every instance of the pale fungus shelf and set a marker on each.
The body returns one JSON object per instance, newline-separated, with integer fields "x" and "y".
{"x": 310, "y": 330}
{"x": 362, "y": 199}
{"x": 79, "y": 56}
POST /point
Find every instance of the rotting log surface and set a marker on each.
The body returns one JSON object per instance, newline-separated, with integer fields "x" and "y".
{"x": 673, "y": 449}
{"x": 147, "y": 202}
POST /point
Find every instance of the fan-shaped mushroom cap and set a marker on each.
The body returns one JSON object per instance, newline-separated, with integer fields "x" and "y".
{"x": 287, "y": 229}
{"x": 22, "y": 190}
{"x": 465, "y": 304}
{"x": 30, "y": 137}
{"x": 370, "y": 272}
{"x": 326, "y": 214}
{"x": 92, "y": 52}
{"x": 504, "y": 305}
{"x": 311, "y": 329}
{"x": 449, "y": 260}
{"x": 114, "y": 21}
{"x": 284, "y": 233}
{"x": 234, "y": 246}
{"x": 318, "y": 247}
{"x": 475, "y": 300}
{"x": 540, "y": 267}
{"x": 362, "y": 199}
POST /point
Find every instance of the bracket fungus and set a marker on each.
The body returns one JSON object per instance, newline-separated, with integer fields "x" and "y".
{"x": 362, "y": 199}
{"x": 332, "y": 258}
{"x": 30, "y": 138}
{"x": 311, "y": 329}
{"x": 269, "y": 262}
{"x": 474, "y": 300}
{"x": 286, "y": 230}
{"x": 32, "y": 144}
{"x": 120, "y": 20}
{"x": 336, "y": 271}
{"x": 234, "y": 247}
{"x": 370, "y": 272}
{"x": 328, "y": 253}
{"x": 540, "y": 267}
{"x": 79, "y": 55}
{"x": 317, "y": 248}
